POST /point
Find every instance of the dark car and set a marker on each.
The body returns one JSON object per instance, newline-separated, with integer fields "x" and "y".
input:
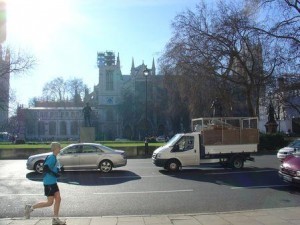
{"x": 289, "y": 170}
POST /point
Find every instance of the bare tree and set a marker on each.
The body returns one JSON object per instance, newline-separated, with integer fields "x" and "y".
{"x": 218, "y": 45}
{"x": 15, "y": 62}
{"x": 285, "y": 29}
{"x": 12, "y": 63}
{"x": 285, "y": 26}
{"x": 76, "y": 89}
{"x": 59, "y": 90}
{"x": 55, "y": 90}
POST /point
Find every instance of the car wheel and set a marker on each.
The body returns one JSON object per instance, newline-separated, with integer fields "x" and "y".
{"x": 173, "y": 165}
{"x": 105, "y": 166}
{"x": 237, "y": 162}
{"x": 38, "y": 166}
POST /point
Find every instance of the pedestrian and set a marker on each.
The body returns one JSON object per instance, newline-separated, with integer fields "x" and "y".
{"x": 51, "y": 173}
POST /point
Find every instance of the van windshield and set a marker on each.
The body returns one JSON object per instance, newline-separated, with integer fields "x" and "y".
{"x": 174, "y": 139}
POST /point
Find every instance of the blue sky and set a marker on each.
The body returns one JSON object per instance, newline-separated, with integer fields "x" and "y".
{"x": 65, "y": 36}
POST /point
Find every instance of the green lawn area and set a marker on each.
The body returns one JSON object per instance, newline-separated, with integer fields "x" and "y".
{"x": 112, "y": 144}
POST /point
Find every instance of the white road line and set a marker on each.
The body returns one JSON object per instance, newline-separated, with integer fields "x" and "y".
{"x": 254, "y": 187}
{"x": 260, "y": 171}
{"x": 5, "y": 195}
{"x": 136, "y": 176}
{"x": 142, "y": 192}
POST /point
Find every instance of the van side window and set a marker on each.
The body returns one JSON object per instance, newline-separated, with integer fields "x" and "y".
{"x": 186, "y": 143}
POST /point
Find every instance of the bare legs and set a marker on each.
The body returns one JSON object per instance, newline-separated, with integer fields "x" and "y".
{"x": 50, "y": 199}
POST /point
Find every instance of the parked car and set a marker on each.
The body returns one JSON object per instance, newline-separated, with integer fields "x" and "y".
{"x": 82, "y": 156}
{"x": 288, "y": 150}
{"x": 160, "y": 139}
{"x": 289, "y": 170}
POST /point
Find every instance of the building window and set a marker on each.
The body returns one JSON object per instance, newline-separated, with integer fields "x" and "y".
{"x": 52, "y": 128}
{"x": 41, "y": 128}
{"x": 74, "y": 128}
{"x": 109, "y": 80}
{"x": 109, "y": 115}
{"x": 30, "y": 129}
{"x": 63, "y": 128}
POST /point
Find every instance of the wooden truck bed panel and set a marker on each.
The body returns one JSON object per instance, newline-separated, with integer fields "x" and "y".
{"x": 230, "y": 136}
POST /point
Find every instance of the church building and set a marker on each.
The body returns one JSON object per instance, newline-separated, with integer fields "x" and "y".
{"x": 123, "y": 106}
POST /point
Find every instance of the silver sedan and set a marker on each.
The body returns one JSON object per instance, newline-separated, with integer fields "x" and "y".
{"x": 82, "y": 156}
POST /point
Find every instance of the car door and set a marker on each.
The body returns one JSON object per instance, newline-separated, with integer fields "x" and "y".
{"x": 89, "y": 157}
{"x": 69, "y": 157}
{"x": 186, "y": 152}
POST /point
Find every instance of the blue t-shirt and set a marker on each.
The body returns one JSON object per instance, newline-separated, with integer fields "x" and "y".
{"x": 50, "y": 178}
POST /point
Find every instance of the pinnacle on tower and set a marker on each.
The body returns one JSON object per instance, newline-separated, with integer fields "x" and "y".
{"x": 132, "y": 67}
{"x": 118, "y": 60}
{"x": 153, "y": 67}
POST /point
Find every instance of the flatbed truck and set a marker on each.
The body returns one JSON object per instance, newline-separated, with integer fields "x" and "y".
{"x": 229, "y": 141}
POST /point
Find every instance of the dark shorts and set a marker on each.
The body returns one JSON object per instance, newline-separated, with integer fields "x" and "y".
{"x": 50, "y": 190}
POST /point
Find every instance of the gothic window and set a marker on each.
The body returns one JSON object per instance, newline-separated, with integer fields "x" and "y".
{"x": 74, "y": 128}
{"x": 63, "y": 128}
{"x": 52, "y": 128}
{"x": 41, "y": 128}
{"x": 109, "y": 80}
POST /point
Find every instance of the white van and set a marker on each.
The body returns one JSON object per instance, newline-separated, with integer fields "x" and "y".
{"x": 229, "y": 141}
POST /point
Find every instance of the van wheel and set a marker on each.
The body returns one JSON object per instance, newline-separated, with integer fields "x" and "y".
{"x": 38, "y": 166}
{"x": 237, "y": 162}
{"x": 173, "y": 165}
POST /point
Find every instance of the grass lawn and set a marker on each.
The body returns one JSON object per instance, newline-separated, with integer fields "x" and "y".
{"x": 112, "y": 144}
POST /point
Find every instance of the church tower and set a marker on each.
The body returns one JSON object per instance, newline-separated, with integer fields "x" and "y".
{"x": 107, "y": 92}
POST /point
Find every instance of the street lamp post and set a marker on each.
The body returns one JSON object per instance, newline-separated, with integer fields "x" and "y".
{"x": 146, "y": 73}
{"x": 38, "y": 128}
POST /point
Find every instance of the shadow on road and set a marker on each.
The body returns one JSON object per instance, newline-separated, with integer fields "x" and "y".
{"x": 90, "y": 178}
{"x": 248, "y": 178}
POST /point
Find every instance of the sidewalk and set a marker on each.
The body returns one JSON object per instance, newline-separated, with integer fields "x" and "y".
{"x": 277, "y": 216}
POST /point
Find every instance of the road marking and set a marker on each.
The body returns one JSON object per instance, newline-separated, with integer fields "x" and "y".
{"x": 265, "y": 186}
{"x": 5, "y": 195}
{"x": 237, "y": 172}
{"x": 142, "y": 192}
{"x": 135, "y": 176}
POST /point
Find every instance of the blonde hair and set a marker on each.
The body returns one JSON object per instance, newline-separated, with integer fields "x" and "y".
{"x": 55, "y": 145}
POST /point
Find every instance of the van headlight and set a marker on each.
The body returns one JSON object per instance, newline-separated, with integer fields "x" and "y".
{"x": 158, "y": 155}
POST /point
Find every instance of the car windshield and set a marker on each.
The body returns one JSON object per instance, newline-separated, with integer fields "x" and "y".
{"x": 295, "y": 144}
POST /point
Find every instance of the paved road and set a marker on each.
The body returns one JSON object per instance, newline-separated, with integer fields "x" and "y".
{"x": 142, "y": 189}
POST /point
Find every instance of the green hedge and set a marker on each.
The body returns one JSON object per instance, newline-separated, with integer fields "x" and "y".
{"x": 271, "y": 141}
